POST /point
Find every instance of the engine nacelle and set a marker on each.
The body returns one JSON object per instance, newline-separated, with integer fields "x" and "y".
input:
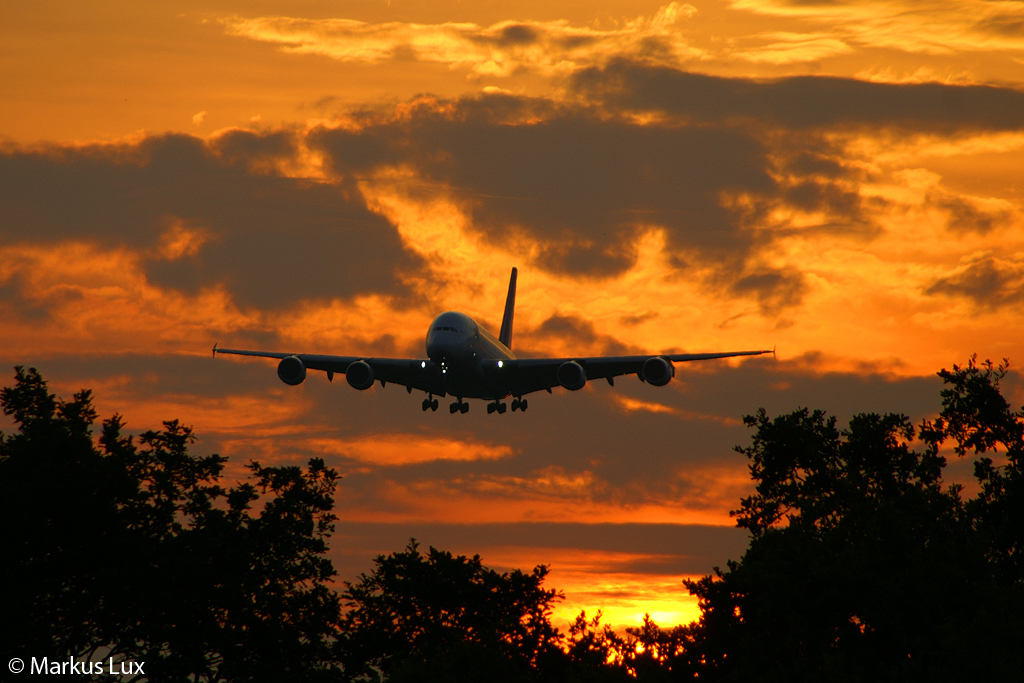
{"x": 359, "y": 375}
{"x": 291, "y": 370}
{"x": 571, "y": 375}
{"x": 657, "y": 371}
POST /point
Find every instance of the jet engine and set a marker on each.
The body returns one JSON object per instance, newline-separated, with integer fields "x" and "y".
{"x": 291, "y": 370}
{"x": 359, "y": 375}
{"x": 571, "y": 375}
{"x": 657, "y": 371}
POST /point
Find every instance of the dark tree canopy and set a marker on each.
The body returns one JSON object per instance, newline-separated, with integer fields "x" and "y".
{"x": 439, "y": 617}
{"x": 131, "y": 548}
{"x": 863, "y": 565}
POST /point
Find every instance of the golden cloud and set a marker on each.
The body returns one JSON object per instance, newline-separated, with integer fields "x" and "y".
{"x": 632, "y": 405}
{"x": 787, "y": 48}
{"x": 936, "y": 27}
{"x": 405, "y": 449}
{"x": 98, "y": 300}
{"x": 181, "y": 239}
{"x": 500, "y": 49}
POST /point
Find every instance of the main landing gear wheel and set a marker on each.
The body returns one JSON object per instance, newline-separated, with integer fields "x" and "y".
{"x": 518, "y": 404}
{"x": 497, "y": 405}
{"x": 459, "y": 406}
{"x": 429, "y": 403}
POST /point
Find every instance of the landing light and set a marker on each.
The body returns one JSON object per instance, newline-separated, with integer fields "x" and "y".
{"x": 501, "y": 364}
{"x": 423, "y": 364}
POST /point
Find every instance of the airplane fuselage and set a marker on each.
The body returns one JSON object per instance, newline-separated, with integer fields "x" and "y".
{"x": 461, "y": 347}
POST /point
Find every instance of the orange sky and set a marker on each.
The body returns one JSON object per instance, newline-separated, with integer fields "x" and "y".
{"x": 840, "y": 179}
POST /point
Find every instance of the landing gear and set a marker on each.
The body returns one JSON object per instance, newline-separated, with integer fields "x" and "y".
{"x": 430, "y": 403}
{"x": 459, "y": 407}
{"x": 519, "y": 404}
{"x": 497, "y": 405}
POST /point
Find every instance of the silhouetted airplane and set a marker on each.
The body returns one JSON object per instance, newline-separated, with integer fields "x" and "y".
{"x": 466, "y": 361}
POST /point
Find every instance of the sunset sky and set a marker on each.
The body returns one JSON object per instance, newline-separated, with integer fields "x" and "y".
{"x": 843, "y": 180}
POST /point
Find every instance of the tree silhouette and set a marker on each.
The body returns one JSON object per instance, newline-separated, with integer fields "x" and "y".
{"x": 439, "y": 617}
{"x": 131, "y": 549}
{"x": 862, "y": 564}
{"x": 979, "y": 420}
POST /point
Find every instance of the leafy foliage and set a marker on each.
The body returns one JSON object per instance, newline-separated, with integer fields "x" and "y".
{"x": 441, "y": 617}
{"x": 979, "y": 420}
{"x": 862, "y": 565}
{"x": 133, "y": 549}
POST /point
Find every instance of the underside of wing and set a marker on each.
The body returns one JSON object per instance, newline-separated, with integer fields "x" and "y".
{"x": 527, "y": 375}
{"x": 361, "y": 373}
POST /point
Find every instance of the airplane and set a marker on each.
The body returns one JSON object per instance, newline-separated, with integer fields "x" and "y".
{"x": 464, "y": 360}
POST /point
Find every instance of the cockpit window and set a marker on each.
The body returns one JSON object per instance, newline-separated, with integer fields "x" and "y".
{"x": 445, "y": 328}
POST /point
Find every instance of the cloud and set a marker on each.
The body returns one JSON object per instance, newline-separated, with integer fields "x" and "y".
{"x": 581, "y": 187}
{"x": 803, "y": 102}
{"x": 989, "y": 282}
{"x": 774, "y": 289}
{"x": 206, "y": 214}
{"x": 972, "y": 214}
{"x": 788, "y": 48}
{"x": 402, "y": 449}
{"x": 579, "y": 337}
{"x": 501, "y": 49}
{"x": 724, "y": 171}
{"x": 936, "y": 27}
{"x": 631, "y": 405}
{"x": 66, "y": 294}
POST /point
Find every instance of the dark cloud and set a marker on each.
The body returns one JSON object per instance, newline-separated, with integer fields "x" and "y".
{"x": 580, "y": 184}
{"x": 817, "y": 162}
{"x": 274, "y": 240}
{"x": 255, "y": 151}
{"x": 686, "y": 549}
{"x": 1004, "y": 24}
{"x": 775, "y": 289}
{"x": 966, "y": 216}
{"x": 990, "y": 283}
{"x": 584, "y": 335}
{"x": 810, "y": 195}
{"x": 803, "y": 102}
{"x": 16, "y": 296}
{"x": 518, "y": 34}
{"x": 638, "y": 318}
{"x": 583, "y": 184}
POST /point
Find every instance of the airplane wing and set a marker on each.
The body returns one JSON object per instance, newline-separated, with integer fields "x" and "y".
{"x": 527, "y": 375}
{"x": 412, "y": 373}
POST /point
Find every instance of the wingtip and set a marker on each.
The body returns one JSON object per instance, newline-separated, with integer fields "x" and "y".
{"x": 215, "y": 349}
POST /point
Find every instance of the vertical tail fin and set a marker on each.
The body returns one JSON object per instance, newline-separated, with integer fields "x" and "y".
{"x": 505, "y": 337}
